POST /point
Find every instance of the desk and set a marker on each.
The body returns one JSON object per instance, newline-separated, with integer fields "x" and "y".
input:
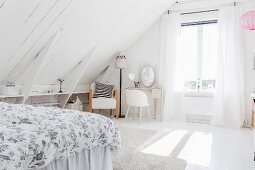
{"x": 157, "y": 94}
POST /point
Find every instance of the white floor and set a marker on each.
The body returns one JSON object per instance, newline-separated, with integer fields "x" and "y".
{"x": 207, "y": 147}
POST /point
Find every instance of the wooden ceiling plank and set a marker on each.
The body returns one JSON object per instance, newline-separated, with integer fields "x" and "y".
{"x": 1, "y": 6}
{"x": 110, "y": 21}
{"x": 11, "y": 19}
{"x": 152, "y": 12}
{"x": 105, "y": 33}
{"x": 40, "y": 21}
{"x": 31, "y": 14}
{"x": 145, "y": 22}
{"x": 21, "y": 60}
{"x": 126, "y": 33}
{"x": 99, "y": 33}
{"x": 10, "y": 64}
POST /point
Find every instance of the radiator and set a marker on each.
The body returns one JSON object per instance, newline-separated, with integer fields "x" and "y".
{"x": 198, "y": 109}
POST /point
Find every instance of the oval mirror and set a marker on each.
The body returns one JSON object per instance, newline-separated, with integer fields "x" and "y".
{"x": 148, "y": 76}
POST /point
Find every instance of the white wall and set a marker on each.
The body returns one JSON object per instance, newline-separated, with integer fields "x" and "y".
{"x": 142, "y": 53}
{"x": 146, "y": 50}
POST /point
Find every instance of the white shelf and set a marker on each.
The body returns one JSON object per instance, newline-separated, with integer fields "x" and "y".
{"x": 139, "y": 88}
{"x": 47, "y": 94}
{"x": 80, "y": 92}
{"x": 41, "y": 94}
{"x": 45, "y": 104}
{"x": 11, "y": 96}
{"x": 37, "y": 96}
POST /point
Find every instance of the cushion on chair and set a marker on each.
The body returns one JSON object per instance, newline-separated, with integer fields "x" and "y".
{"x": 103, "y": 103}
{"x": 103, "y": 90}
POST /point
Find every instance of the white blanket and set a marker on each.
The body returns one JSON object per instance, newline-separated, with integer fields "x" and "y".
{"x": 31, "y": 137}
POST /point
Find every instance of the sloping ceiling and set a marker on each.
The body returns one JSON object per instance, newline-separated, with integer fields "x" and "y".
{"x": 108, "y": 26}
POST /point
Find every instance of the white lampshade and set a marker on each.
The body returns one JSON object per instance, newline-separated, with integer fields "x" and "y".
{"x": 120, "y": 62}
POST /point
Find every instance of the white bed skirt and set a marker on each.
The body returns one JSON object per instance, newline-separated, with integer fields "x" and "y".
{"x": 92, "y": 159}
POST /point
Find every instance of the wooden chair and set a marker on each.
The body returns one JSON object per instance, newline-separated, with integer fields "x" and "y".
{"x": 102, "y": 102}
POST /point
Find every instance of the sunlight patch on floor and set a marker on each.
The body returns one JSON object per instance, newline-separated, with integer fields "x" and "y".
{"x": 165, "y": 145}
{"x": 198, "y": 149}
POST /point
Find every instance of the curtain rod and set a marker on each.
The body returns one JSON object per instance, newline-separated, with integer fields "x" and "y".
{"x": 195, "y": 12}
{"x": 202, "y": 11}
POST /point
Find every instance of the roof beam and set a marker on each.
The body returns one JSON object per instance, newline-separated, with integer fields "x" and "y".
{"x": 37, "y": 65}
{"x": 73, "y": 78}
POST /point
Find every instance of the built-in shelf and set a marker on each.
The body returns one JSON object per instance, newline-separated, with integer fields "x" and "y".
{"x": 42, "y": 94}
{"x": 80, "y": 92}
{"x": 62, "y": 98}
{"x": 11, "y": 96}
{"x": 46, "y": 104}
{"x": 47, "y": 94}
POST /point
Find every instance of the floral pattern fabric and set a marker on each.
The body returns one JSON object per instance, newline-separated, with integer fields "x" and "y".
{"x": 31, "y": 137}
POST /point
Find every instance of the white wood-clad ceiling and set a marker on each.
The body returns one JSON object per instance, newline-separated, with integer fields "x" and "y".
{"x": 109, "y": 25}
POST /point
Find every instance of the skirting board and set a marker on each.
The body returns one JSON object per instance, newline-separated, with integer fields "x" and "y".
{"x": 197, "y": 118}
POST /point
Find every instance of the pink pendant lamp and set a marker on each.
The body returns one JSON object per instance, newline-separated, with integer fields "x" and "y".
{"x": 247, "y": 20}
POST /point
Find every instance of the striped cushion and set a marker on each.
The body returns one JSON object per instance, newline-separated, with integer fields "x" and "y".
{"x": 103, "y": 90}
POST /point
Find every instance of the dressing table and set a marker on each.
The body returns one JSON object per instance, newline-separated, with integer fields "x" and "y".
{"x": 156, "y": 94}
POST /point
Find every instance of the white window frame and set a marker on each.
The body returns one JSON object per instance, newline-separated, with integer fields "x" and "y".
{"x": 200, "y": 55}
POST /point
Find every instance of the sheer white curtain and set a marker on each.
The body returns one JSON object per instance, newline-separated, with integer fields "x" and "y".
{"x": 229, "y": 94}
{"x": 169, "y": 30}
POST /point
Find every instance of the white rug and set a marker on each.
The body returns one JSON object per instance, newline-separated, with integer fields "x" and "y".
{"x": 130, "y": 156}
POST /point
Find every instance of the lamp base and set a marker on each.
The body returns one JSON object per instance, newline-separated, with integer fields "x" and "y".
{"x": 60, "y": 91}
{"x": 121, "y": 116}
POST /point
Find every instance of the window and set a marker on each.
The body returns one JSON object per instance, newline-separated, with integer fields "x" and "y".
{"x": 199, "y": 53}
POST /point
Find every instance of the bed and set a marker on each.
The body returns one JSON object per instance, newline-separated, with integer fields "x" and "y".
{"x": 55, "y": 139}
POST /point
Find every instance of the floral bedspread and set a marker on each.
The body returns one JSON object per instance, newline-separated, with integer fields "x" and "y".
{"x": 31, "y": 137}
